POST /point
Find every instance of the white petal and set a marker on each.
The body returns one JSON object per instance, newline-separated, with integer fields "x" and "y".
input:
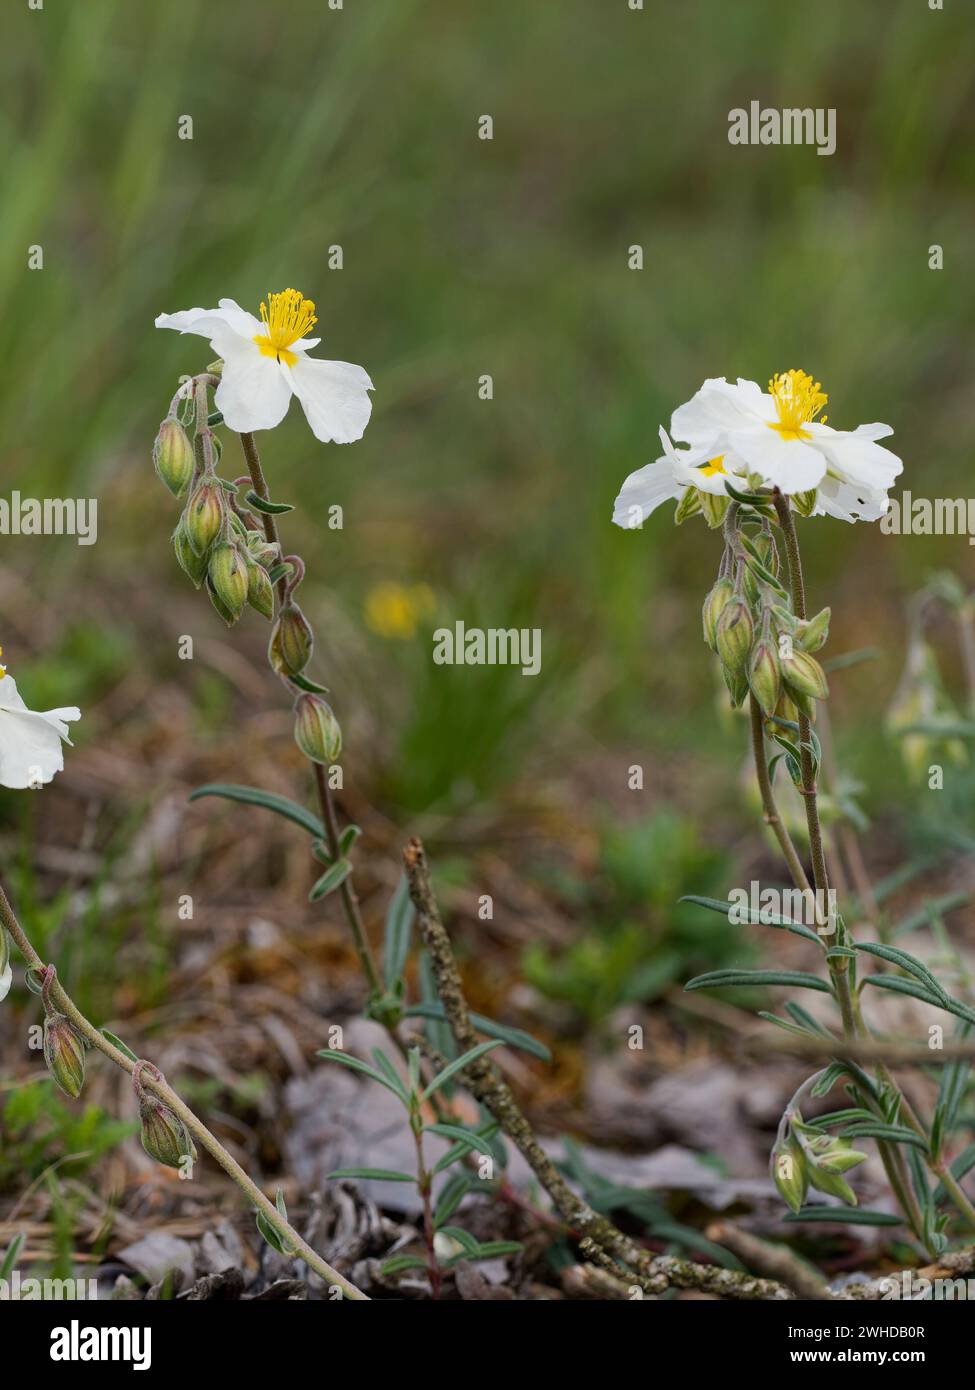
{"x": 788, "y": 464}
{"x": 334, "y": 397}
{"x": 6, "y": 979}
{"x": 644, "y": 491}
{"x": 717, "y": 408}
{"x": 838, "y": 499}
{"x": 30, "y": 749}
{"x": 856, "y": 459}
{"x": 207, "y": 322}
{"x": 10, "y": 697}
{"x": 254, "y": 392}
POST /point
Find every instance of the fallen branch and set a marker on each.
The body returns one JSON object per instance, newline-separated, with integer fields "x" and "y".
{"x": 778, "y": 1262}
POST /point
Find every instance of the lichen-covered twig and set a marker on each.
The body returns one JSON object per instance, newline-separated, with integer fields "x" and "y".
{"x": 778, "y": 1262}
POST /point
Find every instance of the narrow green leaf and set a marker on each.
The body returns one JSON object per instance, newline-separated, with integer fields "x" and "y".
{"x": 458, "y": 1064}
{"x": 303, "y": 683}
{"x": 469, "y": 1243}
{"x": 845, "y": 1216}
{"x": 399, "y": 1263}
{"x": 279, "y": 571}
{"x": 117, "y": 1042}
{"x": 887, "y": 1134}
{"x": 917, "y": 991}
{"x": 272, "y": 1235}
{"x": 725, "y": 979}
{"x": 268, "y": 507}
{"x": 399, "y": 932}
{"x": 379, "y": 1174}
{"x": 346, "y": 1059}
{"x": 755, "y": 919}
{"x": 514, "y": 1037}
{"x": 391, "y": 1074}
{"x": 348, "y": 838}
{"x": 254, "y": 796}
{"x": 452, "y": 1193}
{"x": 895, "y": 956}
{"x": 490, "y": 1250}
{"x": 331, "y": 879}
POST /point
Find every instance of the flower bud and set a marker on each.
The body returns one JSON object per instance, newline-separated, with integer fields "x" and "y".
{"x": 733, "y": 634}
{"x": 720, "y": 594}
{"x": 317, "y": 731}
{"x": 172, "y": 455}
{"x": 164, "y": 1135}
{"x": 811, "y": 635}
{"x": 203, "y": 517}
{"x": 790, "y": 1173}
{"x": 787, "y": 708}
{"x": 189, "y": 562}
{"x": 825, "y": 1181}
{"x": 260, "y": 594}
{"x": 764, "y": 674}
{"x": 64, "y": 1053}
{"x": 227, "y": 572}
{"x": 262, "y": 550}
{"x": 292, "y": 641}
{"x": 840, "y": 1157}
{"x": 804, "y": 676}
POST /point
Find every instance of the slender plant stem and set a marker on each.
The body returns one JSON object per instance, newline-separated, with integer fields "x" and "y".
{"x": 769, "y": 804}
{"x": 891, "y": 1156}
{"x": 165, "y": 1092}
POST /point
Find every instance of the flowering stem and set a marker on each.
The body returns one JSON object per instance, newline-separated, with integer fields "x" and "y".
{"x": 853, "y": 1026}
{"x": 350, "y": 900}
{"x": 165, "y": 1092}
{"x": 769, "y": 805}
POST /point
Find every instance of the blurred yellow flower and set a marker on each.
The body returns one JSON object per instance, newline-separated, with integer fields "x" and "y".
{"x": 395, "y": 610}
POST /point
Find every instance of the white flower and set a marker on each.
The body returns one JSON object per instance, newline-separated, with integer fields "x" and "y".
{"x": 666, "y": 480}
{"x": 6, "y": 974}
{"x": 30, "y": 743}
{"x": 265, "y": 362}
{"x": 776, "y": 436}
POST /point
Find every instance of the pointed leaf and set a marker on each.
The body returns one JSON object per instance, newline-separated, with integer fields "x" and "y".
{"x": 254, "y": 796}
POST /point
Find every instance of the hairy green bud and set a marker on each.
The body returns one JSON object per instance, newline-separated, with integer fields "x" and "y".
{"x": 189, "y": 562}
{"x": 720, "y": 595}
{"x": 811, "y": 635}
{"x": 227, "y": 572}
{"x": 292, "y": 641}
{"x": 172, "y": 455}
{"x": 790, "y": 1173}
{"x": 764, "y": 674}
{"x": 734, "y": 634}
{"x": 803, "y": 675}
{"x": 260, "y": 594}
{"x": 164, "y": 1136}
{"x": 317, "y": 731}
{"x": 64, "y": 1053}
{"x": 203, "y": 517}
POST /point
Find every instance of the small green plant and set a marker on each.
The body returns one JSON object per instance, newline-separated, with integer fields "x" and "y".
{"x": 446, "y": 1244}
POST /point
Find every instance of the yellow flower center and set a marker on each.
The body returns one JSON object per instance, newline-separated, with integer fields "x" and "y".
{"x": 798, "y": 399}
{"x": 287, "y": 317}
{"x": 714, "y": 466}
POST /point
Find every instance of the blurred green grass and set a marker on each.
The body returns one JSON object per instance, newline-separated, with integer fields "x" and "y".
{"x": 358, "y": 127}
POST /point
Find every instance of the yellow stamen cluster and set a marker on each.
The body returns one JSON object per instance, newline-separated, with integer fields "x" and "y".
{"x": 715, "y": 465}
{"x": 287, "y": 317}
{"x": 798, "y": 400}
{"x": 3, "y": 669}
